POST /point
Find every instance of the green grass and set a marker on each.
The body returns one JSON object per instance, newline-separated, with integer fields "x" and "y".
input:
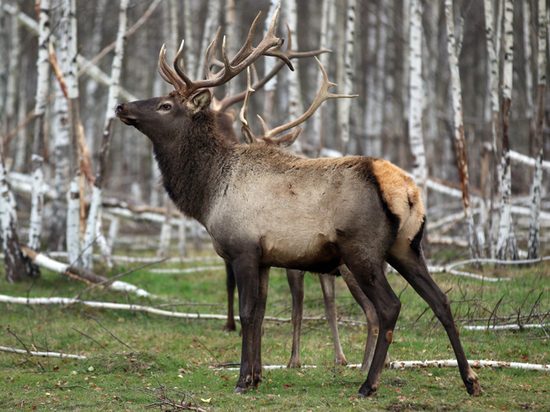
{"x": 132, "y": 355}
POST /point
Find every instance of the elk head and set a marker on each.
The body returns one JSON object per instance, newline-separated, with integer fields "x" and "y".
{"x": 163, "y": 118}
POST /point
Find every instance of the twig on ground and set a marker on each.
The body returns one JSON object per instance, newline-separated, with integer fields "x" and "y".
{"x": 89, "y": 337}
{"x": 42, "y": 354}
{"x": 111, "y": 333}
{"x": 165, "y": 402}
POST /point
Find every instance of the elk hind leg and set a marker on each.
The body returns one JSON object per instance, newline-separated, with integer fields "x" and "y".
{"x": 412, "y": 266}
{"x": 373, "y": 325}
{"x": 369, "y": 274}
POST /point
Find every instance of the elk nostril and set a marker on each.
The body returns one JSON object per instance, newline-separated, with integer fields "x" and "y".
{"x": 119, "y": 108}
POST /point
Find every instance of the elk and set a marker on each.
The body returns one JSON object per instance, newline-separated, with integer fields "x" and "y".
{"x": 264, "y": 206}
{"x": 295, "y": 278}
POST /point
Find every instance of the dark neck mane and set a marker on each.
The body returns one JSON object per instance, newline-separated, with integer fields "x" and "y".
{"x": 195, "y": 167}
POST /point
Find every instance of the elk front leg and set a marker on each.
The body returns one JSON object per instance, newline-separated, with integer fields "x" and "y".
{"x": 296, "y": 283}
{"x": 412, "y": 266}
{"x": 327, "y": 286}
{"x": 259, "y": 314}
{"x": 247, "y": 275}
{"x": 230, "y": 284}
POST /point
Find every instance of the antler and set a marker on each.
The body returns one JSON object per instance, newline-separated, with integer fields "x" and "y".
{"x": 244, "y": 58}
{"x": 228, "y": 101}
{"x": 269, "y": 135}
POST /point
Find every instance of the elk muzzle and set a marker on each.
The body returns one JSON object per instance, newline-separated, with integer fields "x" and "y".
{"x": 121, "y": 111}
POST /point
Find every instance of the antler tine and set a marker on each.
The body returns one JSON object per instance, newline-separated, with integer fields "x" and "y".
{"x": 247, "y": 46}
{"x": 245, "y": 128}
{"x": 322, "y": 95}
{"x": 167, "y": 73}
{"x": 209, "y": 55}
{"x": 179, "y": 66}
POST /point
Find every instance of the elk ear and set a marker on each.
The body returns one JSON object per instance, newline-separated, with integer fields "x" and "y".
{"x": 199, "y": 101}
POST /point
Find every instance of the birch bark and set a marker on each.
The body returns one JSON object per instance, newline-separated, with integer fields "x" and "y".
{"x": 328, "y": 17}
{"x": 458, "y": 121}
{"x": 295, "y": 105}
{"x": 534, "y": 223}
{"x": 93, "y": 216}
{"x": 506, "y": 242}
{"x": 344, "y": 105}
{"x": 271, "y": 85}
{"x": 12, "y": 74}
{"x": 210, "y": 27}
{"x": 416, "y": 96}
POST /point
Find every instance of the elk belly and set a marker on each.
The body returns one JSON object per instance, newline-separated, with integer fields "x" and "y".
{"x": 314, "y": 253}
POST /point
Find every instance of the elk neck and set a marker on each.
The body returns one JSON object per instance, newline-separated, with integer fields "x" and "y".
{"x": 195, "y": 166}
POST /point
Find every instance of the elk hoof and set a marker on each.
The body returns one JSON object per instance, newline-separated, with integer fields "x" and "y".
{"x": 229, "y": 327}
{"x": 294, "y": 363}
{"x": 473, "y": 387}
{"x": 366, "y": 390}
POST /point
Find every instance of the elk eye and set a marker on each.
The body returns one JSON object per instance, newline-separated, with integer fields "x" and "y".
{"x": 165, "y": 106}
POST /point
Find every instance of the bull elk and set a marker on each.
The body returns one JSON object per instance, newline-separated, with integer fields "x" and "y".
{"x": 266, "y": 207}
{"x": 295, "y": 278}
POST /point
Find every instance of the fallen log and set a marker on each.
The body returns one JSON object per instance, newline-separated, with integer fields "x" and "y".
{"x": 81, "y": 274}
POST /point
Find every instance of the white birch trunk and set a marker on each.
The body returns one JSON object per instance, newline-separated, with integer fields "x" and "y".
{"x": 182, "y": 238}
{"x": 12, "y": 73}
{"x": 295, "y": 105}
{"x": 271, "y": 85}
{"x": 506, "y": 243}
{"x": 458, "y": 121}
{"x": 43, "y": 63}
{"x": 37, "y": 205}
{"x": 527, "y": 50}
{"x": 232, "y": 39}
{"x": 188, "y": 27}
{"x": 73, "y": 223}
{"x": 534, "y": 223}
{"x": 370, "y": 79}
{"x": 3, "y": 64}
{"x": 114, "y": 89}
{"x": 406, "y": 58}
{"x": 165, "y": 230}
{"x": 21, "y": 139}
{"x": 379, "y": 93}
{"x": 344, "y": 105}
{"x": 416, "y": 96}
{"x": 210, "y": 26}
{"x": 492, "y": 41}
{"x": 328, "y": 16}
{"x": 90, "y": 235}
{"x": 61, "y": 138}
{"x": 43, "y": 68}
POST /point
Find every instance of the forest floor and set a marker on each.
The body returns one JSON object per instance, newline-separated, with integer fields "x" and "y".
{"x": 135, "y": 361}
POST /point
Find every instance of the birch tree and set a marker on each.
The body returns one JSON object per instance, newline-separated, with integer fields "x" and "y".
{"x": 43, "y": 68}
{"x": 492, "y": 40}
{"x": 4, "y": 63}
{"x": 271, "y": 85}
{"x": 16, "y": 266}
{"x": 458, "y": 121}
{"x": 13, "y": 68}
{"x": 295, "y": 105}
{"x": 61, "y": 138}
{"x": 210, "y": 26}
{"x": 534, "y": 223}
{"x": 328, "y": 21}
{"x": 416, "y": 96}
{"x": 95, "y": 204}
{"x": 344, "y": 105}
{"x": 506, "y": 242}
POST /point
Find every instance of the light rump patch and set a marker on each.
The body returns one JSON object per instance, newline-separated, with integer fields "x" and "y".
{"x": 402, "y": 197}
